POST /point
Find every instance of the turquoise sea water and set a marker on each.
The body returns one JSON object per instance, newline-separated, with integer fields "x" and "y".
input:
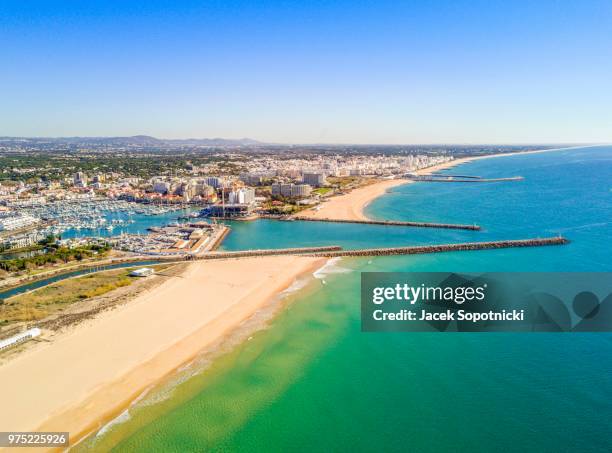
{"x": 313, "y": 381}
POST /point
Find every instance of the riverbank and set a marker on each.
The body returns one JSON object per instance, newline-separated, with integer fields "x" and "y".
{"x": 351, "y": 206}
{"x": 92, "y": 372}
{"x": 57, "y": 269}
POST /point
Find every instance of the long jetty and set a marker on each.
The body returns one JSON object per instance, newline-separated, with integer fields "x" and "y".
{"x": 452, "y": 226}
{"x": 415, "y": 250}
{"x": 443, "y": 175}
{"x": 335, "y": 251}
{"x": 269, "y": 252}
{"x": 441, "y": 178}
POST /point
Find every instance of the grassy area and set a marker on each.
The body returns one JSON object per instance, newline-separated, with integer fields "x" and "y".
{"x": 348, "y": 182}
{"x": 56, "y": 297}
{"x": 322, "y": 190}
{"x": 57, "y": 268}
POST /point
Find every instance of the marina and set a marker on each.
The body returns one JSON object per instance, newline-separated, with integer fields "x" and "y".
{"x": 101, "y": 217}
{"x": 174, "y": 239}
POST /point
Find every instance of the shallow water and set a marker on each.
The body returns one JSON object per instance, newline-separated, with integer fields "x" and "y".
{"x": 313, "y": 381}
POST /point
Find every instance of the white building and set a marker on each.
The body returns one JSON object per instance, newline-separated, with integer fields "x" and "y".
{"x": 215, "y": 181}
{"x": 315, "y": 179}
{"x": 242, "y": 196}
{"x": 19, "y": 338}
{"x": 142, "y": 272}
{"x": 80, "y": 180}
{"x": 16, "y": 241}
{"x": 281, "y": 189}
{"x": 291, "y": 190}
{"x": 16, "y": 222}
{"x": 301, "y": 190}
{"x": 252, "y": 179}
{"x": 162, "y": 187}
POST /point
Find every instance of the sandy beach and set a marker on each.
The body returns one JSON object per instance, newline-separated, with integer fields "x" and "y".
{"x": 86, "y": 376}
{"x": 351, "y": 206}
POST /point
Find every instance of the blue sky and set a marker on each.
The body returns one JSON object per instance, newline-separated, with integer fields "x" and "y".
{"x": 309, "y": 72}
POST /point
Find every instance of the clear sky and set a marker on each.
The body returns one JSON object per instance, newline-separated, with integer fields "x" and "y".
{"x": 407, "y": 71}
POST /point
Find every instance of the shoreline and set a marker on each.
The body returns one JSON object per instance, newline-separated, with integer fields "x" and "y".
{"x": 130, "y": 358}
{"x": 107, "y": 398}
{"x": 351, "y": 206}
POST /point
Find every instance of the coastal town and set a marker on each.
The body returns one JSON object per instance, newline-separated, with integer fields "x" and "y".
{"x": 113, "y": 241}
{"x": 84, "y": 208}
{"x": 337, "y": 226}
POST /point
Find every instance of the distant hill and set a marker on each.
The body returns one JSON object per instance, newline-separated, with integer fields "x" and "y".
{"x": 215, "y": 142}
{"x": 136, "y": 140}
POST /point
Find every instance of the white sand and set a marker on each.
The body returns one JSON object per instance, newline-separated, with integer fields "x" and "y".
{"x": 351, "y": 206}
{"x": 90, "y": 373}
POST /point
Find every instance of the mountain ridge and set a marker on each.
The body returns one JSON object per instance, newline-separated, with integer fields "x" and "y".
{"x": 135, "y": 140}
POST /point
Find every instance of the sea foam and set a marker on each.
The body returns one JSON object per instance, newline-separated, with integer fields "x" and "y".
{"x": 330, "y": 267}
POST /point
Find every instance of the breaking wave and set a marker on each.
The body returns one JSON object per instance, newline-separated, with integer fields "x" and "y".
{"x": 331, "y": 267}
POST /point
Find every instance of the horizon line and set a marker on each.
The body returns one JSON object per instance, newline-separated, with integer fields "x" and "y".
{"x": 272, "y": 143}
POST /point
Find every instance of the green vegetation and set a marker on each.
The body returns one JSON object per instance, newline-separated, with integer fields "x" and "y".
{"x": 43, "y": 302}
{"x": 230, "y": 168}
{"x": 35, "y": 166}
{"x": 346, "y": 182}
{"x": 322, "y": 190}
{"x": 31, "y": 248}
{"x": 281, "y": 210}
{"x": 279, "y": 205}
{"x": 286, "y": 209}
{"x": 53, "y": 256}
